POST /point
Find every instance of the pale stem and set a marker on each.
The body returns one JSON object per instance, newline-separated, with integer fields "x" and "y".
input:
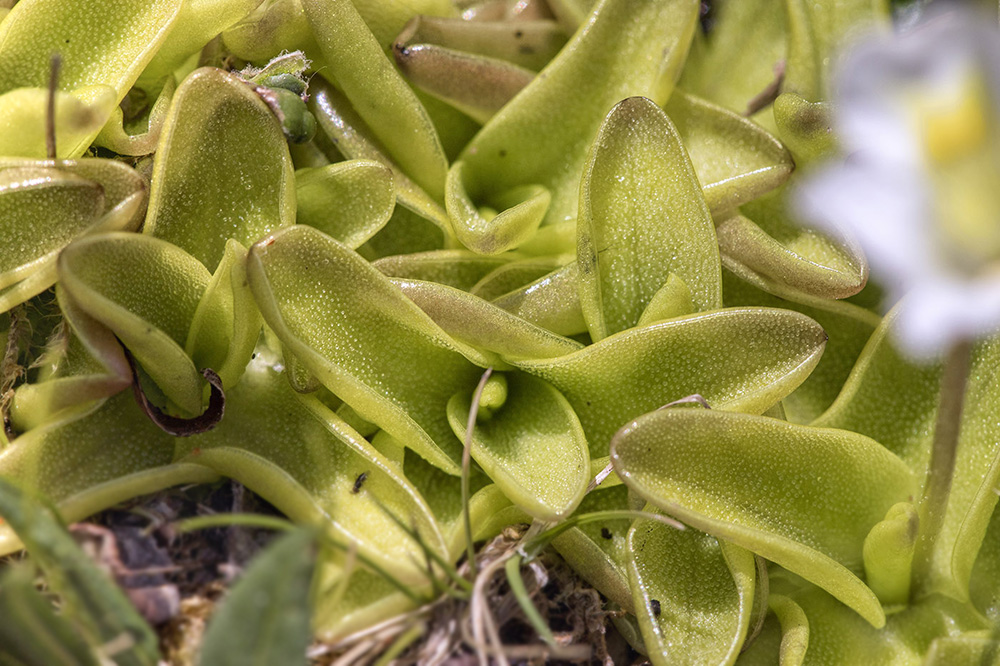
{"x": 937, "y": 487}
{"x": 466, "y": 465}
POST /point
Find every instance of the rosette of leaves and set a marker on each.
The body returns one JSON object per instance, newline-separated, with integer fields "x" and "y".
{"x": 585, "y": 198}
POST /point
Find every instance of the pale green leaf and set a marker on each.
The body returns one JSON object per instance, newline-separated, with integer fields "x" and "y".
{"x": 456, "y": 268}
{"x": 693, "y": 594}
{"x": 736, "y": 160}
{"x": 532, "y": 446}
{"x": 222, "y": 169}
{"x": 552, "y": 301}
{"x": 642, "y": 218}
{"x": 365, "y": 341}
{"x": 349, "y": 201}
{"x": 802, "y": 497}
{"x": 741, "y": 359}
{"x": 542, "y": 136}
{"x": 378, "y": 92}
{"x": 468, "y": 318}
{"x": 146, "y": 291}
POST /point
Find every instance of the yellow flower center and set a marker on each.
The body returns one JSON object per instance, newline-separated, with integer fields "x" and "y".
{"x": 961, "y": 142}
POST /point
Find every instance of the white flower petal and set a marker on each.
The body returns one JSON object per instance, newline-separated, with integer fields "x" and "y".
{"x": 936, "y": 315}
{"x": 884, "y": 209}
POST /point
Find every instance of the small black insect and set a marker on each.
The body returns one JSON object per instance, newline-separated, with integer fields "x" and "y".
{"x": 654, "y": 604}
{"x": 605, "y": 533}
{"x": 358, "y": 482}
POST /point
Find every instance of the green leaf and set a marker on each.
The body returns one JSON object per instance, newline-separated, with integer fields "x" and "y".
{"x": 984, "y": 579}
{"x": 356, "y": 140}
{"x": 300, "y": 456}
{"x": 527, "y": 42}
{"x": 103, "y": 49}
{"x": 210, "y": 181}
{"x": 455, "y": 268}
{"x": 276, "y": 26}
{"x": 198, "y": 22}
{"x": 642, "y": 218}
{"x": 365, "y": 341}
{"x": 90, "y": 367}
{"x": 895, "y": 401}
{"x": 141, "y": 135}
{"x": 888, "y": 554}
{"x": 226, "y": 324}
{"x": 735, "y": 66}
{"x": 795, "y": 630}
{"x": 476, "y": 85}
{"x": 32, "y": 632}
{"x": 835, "y": 635}
{"x": 104, "y": 44}
{"x": 265, "y": 617}
{"x": 817, "y": 32}
{"x": 93, "y": 457}
{"x": 736, "y": 160}
{"x": 365, "y": 600}
{"x": 349, "y": 201}
{"x": 802, "y": 497}
{"x": 377, "y": 91}
{"x": 541, "y": 138}
{"x": 741, "y": 359}
{"x": 552, "y": 301}
{"x": 848, "y": 326}
{"x": 598, "y": 551}
{"x": 79, "y": 116}
{"x": 532, "y": 446}
{"x": 483, "y": 325}
{"x": 146, "y": 291}
{"x": 693, "y": 594}
{"x": 76, "y": 197}
{"x": 770, "y": 250}
{"x": 513, "y": 275}
{"x": 805, "y": 127}
{"x": 102, "y": 610}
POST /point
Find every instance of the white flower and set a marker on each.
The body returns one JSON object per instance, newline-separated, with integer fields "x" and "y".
{"x": 918, "y": 118}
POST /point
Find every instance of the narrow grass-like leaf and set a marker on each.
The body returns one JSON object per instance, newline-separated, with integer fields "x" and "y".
{"x": 32, "y": 633}
{"x": 265, "y": 617}
{"x": 91, "y": 598}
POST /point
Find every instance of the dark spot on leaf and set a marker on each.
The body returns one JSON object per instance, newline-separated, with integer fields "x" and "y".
{"x": 519, "y": 34}
{"x": 654, "y": 605}
{"x": 358, "y": 482}
{"x": 503, "y": 153}
{"x": 524, "y": 49}
{"x": 605, "y": 533}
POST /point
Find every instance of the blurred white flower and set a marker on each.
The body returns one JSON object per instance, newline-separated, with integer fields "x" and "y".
{"x": 918, "y": 118}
